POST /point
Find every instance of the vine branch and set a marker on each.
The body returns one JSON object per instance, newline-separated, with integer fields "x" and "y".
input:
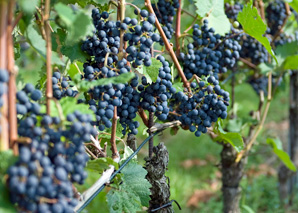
{"x": 49, "y": 89}
{"x": 260, "y": 126}
{"x": 288, "y": 12}
{"x": 178, "y": 28}
{"x": 150, "y": 124}
{"x": 12, "y": 111}
{"x": 4, "y": 136}
{"x": 168, "y": 46}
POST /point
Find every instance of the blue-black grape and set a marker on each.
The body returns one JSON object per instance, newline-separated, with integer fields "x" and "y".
{"x": 209, "y": 54}
{"x": 27, "y": 100}
{"x": 275, "y": 14}
{"x": 4, "y": 77}
{"x": 41, "y": 180}
{"x": 155, "y": 96}
{"x": 197, "y": 112}
{"x": 165, "y": 11}
{"x": 62, "y": 87}
{"x": 233, "y": 10}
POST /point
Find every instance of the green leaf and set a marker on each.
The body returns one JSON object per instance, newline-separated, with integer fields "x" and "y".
{"x": 246, "y": 209}
{"x": 6, "y": 160}
{"x": 68, "y": 105}
{"x": 100, "y": 164}
{"x": 138, "y": 3}
{"x": 151, "y": 72}
{"x": 72, "y": 21}
{"x": 108, "y": 132}
{"x": 178, "y": 86}
{"x": 254, "y": 26}
{"x": 293, "y": 4}
{"x": 72, "y": 71}
{"x": 214, "y": 12}
{"x": 28, "y": 6}
{"x": 133, "y": 193}
{"x": 266, "y": 68}
{"x": 127, "y": 153}
{"x": 74, "y": 52}
{"x": 234, "y": 125}
{"x": 85, "y": 85}
{"x": 276, "y": 144}
{"x": 233, "y": 138}
{"x": 5, "y": 203}
{"x": 37, "y": 42}
{"x": 291, "y": 63}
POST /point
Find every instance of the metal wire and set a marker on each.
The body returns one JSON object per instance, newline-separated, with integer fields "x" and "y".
{"x": 166, "y": 205}
{"x": 116, "y": 172}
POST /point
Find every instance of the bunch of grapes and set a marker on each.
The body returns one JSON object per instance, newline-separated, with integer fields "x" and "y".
{"x": 4, "y": 77}
{"x": 105, "y": 47}
{"x": 27, "y": 100}
{"x": 41, "y": 180}
{"x": 61, "y": 86}
{"x": 209, "y": 54}
{"x": 253, "y": 50}
{"x": 275, "y": 14}
{"x": 155, "y": 96}
{"x": 233, "y": 10}
{"x": 259, "y": 84}
{"x": 197, "y": 112}
{"x": 284, "y": 39}
{"x": 230, "y": 50}
{"x": 165, "y": 11}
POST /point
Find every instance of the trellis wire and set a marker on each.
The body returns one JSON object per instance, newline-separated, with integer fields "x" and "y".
{"x": 119, "y": 170}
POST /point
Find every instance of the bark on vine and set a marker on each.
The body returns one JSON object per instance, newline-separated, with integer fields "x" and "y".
{"x": 232, "y": 173}
{"x": 287, "y": 178}
{"x": 156, "y": 168}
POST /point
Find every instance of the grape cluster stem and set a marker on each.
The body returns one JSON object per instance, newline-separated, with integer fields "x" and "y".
{"x": 168, "y": 47}
{"x": 260, "y": 126}
{"x": 288, "y": 12}
{"x": 178, "y": 29}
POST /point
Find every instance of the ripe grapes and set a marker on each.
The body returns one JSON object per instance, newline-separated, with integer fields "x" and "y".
{"x": 165, "y": 11}
{"x": 61, "y": 86}
{"x": 41, "y": 180}
{"x": 209, "y": 54}
{"x": 4, "y": 77}
{"x": 197, "y": 112}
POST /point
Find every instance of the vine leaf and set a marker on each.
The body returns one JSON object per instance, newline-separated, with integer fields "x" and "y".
{"x": 72, "y": 70}
{"x": 84, "y": 86}
{"x": 100, "y": 164}
{"x": 276, "y": 144}
{"x": 28, "y": 6}
{"x": 6, "y": 159}
{"x": 293, "y": 4}
{"x": 178, "y": 86}
{"x": 233, "y": 138}
{"x": 151, "y": 72}
{"x": 68, "y": 105}
{"x": 37, "y": 42}
{"x": 72, "y": 21}
{"x": 287, "y": 56}
{"x": 254, "y": 26}
{"x": 133, "y": 193}
{"x": 214, "y": 12}
{"x": 291, "y": 63}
